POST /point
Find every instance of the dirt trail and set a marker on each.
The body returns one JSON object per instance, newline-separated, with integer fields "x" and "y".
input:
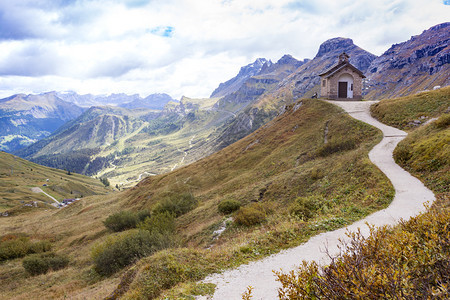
{"x": 39, "y": 190}
{"x": 409, "y": 200}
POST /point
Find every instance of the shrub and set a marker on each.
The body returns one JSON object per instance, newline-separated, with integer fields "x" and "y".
{"x": 41, "y": 263}
{"x": 306, "y": 207}
{"x": 163, "y": 223}
{"x": 176, "y": 204}
{"x": 143, "y": 214}
{"x": 336, "y": 146}
{"x": 162, "y": 229}
{"x": 125, "y": 220}
{"x": 250, "y": 215}
{"x": 123, "y": 249}
{"x": 410, "y": 261}
{"x": 20, "y": 246}
{"x": 228, "y": 206}
{"x": 443, "y": 121}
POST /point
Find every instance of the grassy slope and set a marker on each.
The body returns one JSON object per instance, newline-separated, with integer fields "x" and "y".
{"x": 415, "y": 253}
{"x": 18, "y": 176}
{"x": 401, "y": 112}
{"x": 425, "y": 151}
{"x": 275, "y": 165}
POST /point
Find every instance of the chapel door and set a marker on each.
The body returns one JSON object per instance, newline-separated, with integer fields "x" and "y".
{"x": 342, "y": 93}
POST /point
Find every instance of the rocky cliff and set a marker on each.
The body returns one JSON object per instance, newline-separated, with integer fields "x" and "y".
{"x": 307, "y": 77}
{"x": 235, "y": 83}
{"x": 420, "y": 63}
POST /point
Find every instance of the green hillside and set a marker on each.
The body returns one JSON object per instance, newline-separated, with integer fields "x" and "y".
{"x": 288, "y": 179}
{"x": 305, "y": 172}
{"x": 410, "y": 259}
{"x": 18, "y": 177}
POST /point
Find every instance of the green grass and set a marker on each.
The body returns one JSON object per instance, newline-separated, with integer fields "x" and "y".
{"x": 409, "y": 260}
{"x": 18, "y": 176}
{"x": 275, "y": 166}
{"x": 401, "y": 112}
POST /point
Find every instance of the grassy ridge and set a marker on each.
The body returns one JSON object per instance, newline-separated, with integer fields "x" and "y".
{"x": 402, "y": 112}
{"x": 410, "y": 260}
{"x": 285, "y": 171}
{"x": 281, "y": 169}
{"x": 18, "y": 176}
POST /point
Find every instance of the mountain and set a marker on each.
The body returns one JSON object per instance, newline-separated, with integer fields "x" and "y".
{"x": 25, "y": 119}
{"x": 235, "y": 83}
{"x": 265, "y": 95}
{"x": 75, "y": 143}
{"x": 153, "y": 101}
{"x": 420, "y": 63}
{"x": 126, "y": 145}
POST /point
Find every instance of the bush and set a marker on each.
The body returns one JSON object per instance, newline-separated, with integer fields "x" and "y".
{"x": 41, "y": 263}
{"x": 162, "y": 229}
{"x": 20, "y": 246}
{"x": 124, "y": 249}
{"x": 250, "y": 215}
{"x": 228, "y": 206}
{"x": 306, "y": 207}
{"x": 176, "y": 204}
{"x": 163, "y": 223}
{"x": 143, "y": 214}
{"x": 336, "y": 146}
{"x": 125, "y": 220}
{"x": 443, "y": 121}
{"x": 410, "y": 261}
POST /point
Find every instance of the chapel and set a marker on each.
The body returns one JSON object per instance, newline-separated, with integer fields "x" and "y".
{"x": 343, "y": 81}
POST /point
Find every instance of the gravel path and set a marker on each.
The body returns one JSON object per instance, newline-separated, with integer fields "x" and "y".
{"x": 39, "y": 190}
{"x": 410, "y": 196}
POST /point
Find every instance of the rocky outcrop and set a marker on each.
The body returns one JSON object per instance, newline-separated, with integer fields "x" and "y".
{"x": 417, "y": 64}
{"x": 236, "y": 82}
{"x": 307, "y": 76}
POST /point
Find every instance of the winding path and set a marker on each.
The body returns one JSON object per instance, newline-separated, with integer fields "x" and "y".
{"x": 409, "y": 200}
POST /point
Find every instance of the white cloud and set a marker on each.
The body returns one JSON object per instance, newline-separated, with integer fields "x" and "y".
{"x": 183, "y": 47}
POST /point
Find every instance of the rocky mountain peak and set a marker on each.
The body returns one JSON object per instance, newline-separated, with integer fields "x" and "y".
{"x": 331, "y": 45}
{"x": 245, "y": 72}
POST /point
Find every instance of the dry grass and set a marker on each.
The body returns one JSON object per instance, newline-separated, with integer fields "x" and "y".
{"x": 273, "y": 166}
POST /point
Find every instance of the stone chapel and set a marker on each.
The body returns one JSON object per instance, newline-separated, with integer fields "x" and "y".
{"x": 342, "y": 81}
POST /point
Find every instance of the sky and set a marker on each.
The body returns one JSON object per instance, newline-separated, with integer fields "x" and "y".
{"x": 183, "y": 47}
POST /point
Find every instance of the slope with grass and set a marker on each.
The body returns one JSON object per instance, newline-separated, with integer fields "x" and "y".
{"x": 18, "y": 177}
{"x": 289, "y": 181}
{"x": 410, "y": 260}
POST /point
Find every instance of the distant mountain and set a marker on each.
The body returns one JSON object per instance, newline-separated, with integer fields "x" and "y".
{"x": 306, "y": 78}
{"x": 266, "y": 94}
{"x": 253, "y": 87}
{"x": 236, "y": 82}
{"x": 24, "y": 119}
{"x": 153, "y": 101}
{"x": 417, "y": 64}
{"x": 73, "y": 145}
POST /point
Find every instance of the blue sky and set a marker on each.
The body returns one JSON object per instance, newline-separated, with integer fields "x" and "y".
{"x": 183, "y": 47}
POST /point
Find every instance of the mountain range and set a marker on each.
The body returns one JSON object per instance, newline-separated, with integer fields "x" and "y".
{"x": 27, "y": 119}
{"x": 154, "y": 142}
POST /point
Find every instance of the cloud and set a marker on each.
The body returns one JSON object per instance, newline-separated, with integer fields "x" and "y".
{"x": 184, "y": 47}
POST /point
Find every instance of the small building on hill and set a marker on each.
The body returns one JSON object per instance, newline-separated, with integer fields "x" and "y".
{"x": 342, "y": 81}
